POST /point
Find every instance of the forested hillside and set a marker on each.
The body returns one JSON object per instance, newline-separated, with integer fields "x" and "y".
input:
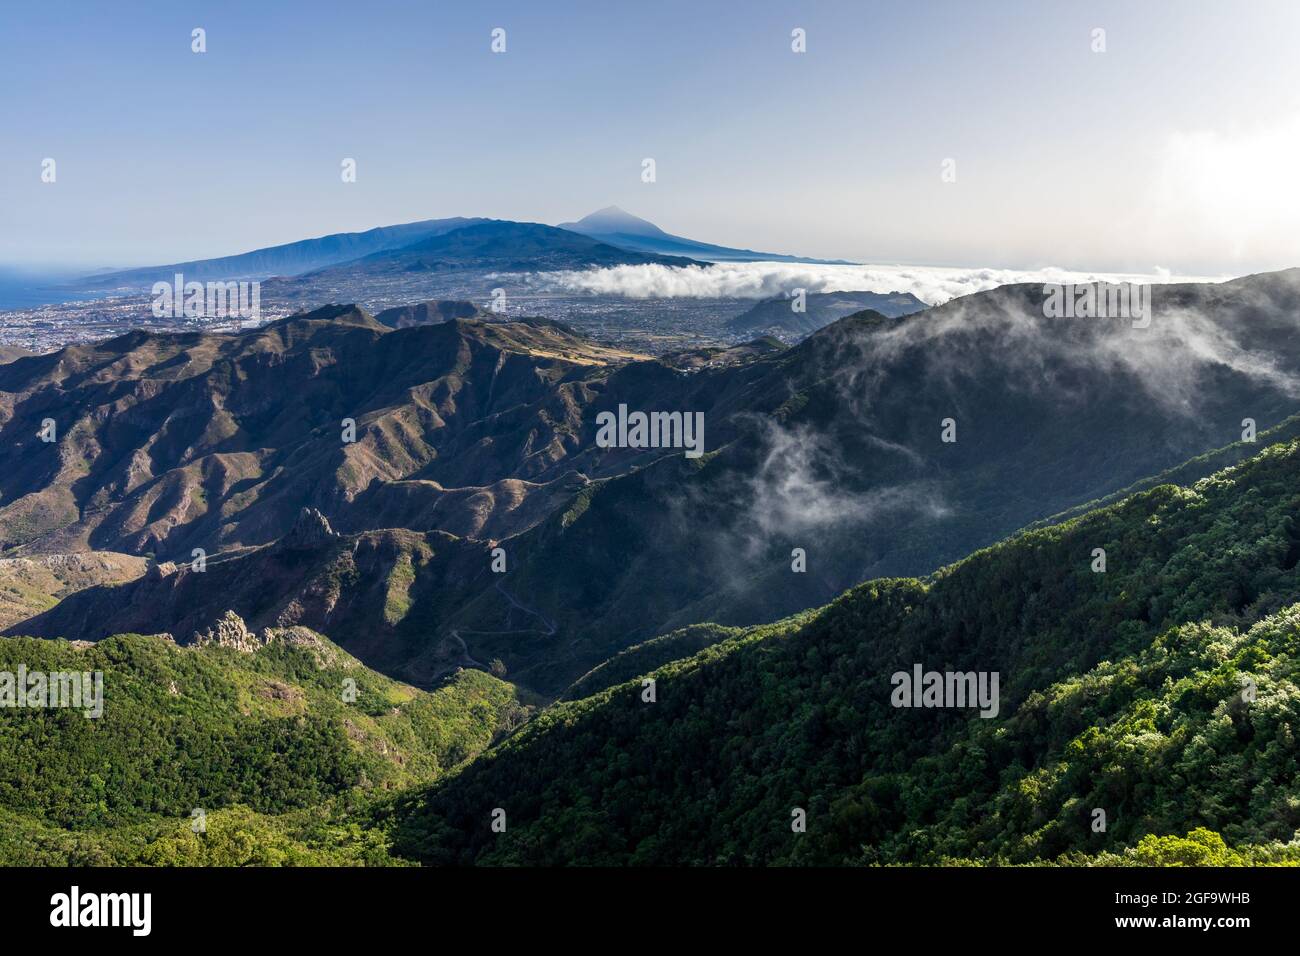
{"x": 1161, "y": 691}
{"x": 1122, "y": 690}
{"x": 273, "y": 743}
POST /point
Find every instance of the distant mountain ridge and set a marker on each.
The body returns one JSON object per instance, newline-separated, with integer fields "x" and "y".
{"x": 429, "y": 313}
{"x": 493, "y": 245}
{"x": 779, "y": 317}
{"x": 249, "y": 424}
{"x": 620, "y": 228}
{"x": 608, "y": 237}
{"x": 288, "y": 259}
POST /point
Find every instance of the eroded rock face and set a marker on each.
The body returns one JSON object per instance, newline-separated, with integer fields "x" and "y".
{"x": 160, "y": 570}
{"x": 229, "y": 631}
{"x": 311, "y": 530}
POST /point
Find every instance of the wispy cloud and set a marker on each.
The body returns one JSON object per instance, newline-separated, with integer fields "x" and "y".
{"x": 803, "y": 486}
{"x": 1168, "y": 361}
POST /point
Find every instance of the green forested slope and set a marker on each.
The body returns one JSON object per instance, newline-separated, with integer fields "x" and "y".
{"x": 642, "y": 658}
{"x": 264, "y": 741}
{"x": 1120, "y": 691}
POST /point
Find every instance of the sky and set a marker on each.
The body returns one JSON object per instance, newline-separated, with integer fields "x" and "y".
{"x": 1174, "y": 149}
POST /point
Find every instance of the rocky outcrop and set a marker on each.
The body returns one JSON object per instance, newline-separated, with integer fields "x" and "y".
{"x": 311, "y": 530}
{"x": 229, "y": 631}
{"x": 325, "y": 653}
{"x": 158, "y": 571}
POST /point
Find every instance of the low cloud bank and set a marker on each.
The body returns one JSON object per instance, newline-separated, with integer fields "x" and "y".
{"x": 765, "y": 280}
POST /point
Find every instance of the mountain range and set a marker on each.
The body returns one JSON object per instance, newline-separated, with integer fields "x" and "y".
{"x": 491, "y": 245}
{"x": 483, "y": 433}
{"x": 291, "y": 258}
{"x": 608, "y": 237}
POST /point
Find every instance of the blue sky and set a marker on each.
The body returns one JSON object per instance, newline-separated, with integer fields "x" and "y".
{"x": 1168, "y": 150}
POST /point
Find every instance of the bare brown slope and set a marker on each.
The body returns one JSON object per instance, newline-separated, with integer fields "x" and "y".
{"x": 31, "y": 585}
{"x": 166, "y": 443}
{"x": 382, "y": 592}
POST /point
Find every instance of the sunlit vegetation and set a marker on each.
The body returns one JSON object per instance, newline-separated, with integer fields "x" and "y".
{"x": 1162, "y": 692}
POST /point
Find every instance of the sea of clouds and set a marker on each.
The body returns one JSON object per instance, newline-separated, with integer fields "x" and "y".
{"x": 765, "y": 280}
